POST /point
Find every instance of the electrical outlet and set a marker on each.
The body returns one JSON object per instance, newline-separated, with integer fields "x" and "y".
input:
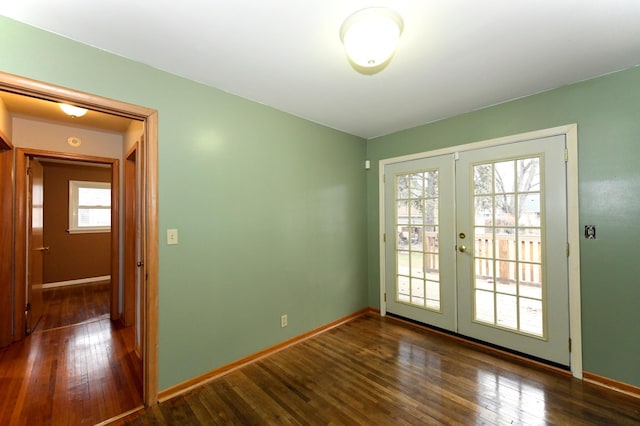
{"x": 283, "y": 320}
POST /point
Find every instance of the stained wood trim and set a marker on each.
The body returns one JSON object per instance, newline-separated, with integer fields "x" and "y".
{"x": 608, "y": 383}
{"x": 115, "y": 239}
{"x": 33, "y": 88}
{"x": 50, "y": 92}
{"x": 186, "y": 386}
{"x": 5, "y": 142}
{"x": 6, "y": 244}
{"x": 20, "y": 245}
{"x": 150, "y": 308}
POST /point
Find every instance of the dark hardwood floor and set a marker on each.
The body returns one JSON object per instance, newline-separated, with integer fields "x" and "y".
{"x": 376, "y": 371}
{"x": 70, "y": 374}
{"x": 74, "y": 304}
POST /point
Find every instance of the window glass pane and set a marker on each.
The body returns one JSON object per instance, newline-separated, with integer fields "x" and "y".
{"x": 416, "y": 185}
{"x": 94, "y": 197}
{"x": 431, "y": 212}
{"x": 505, "y": 210}
{"x": 402, "y": 262}
{"x": 432, "y": 267}
{"x": 482, "y": 178}
{"x": 484, "y": 306}
{"x": 403, "y": 289}
{"x": 417, "y": 292}
{"x": 506, "y": 277}
{"x": 531, "y": 281}
{"x": 402, "y": 187}
{"x": 506, "y": 311}
{"x": 529, "y": 209}
{"x": 417, "y": 262}
{"x": 506, "y": 243}
{"x": 504, "y": 177}
{"x": 484, "y": 274}
{"x": 430, "y": 243}
{"x": 415, "y": 212}
{"x": 431, "y": 184}
{"x": 531, "y": 316}
{"x": 483, "y": 242}
{"x": 94, "y": 217}
{"x": 483, "y": 211}
{"x": 433, "y": 295}
{"x": 529, "y": 245}
{"x": 529, "y": 174}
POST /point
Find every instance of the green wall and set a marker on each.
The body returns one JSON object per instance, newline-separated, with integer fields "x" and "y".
{"x": 269, "y": 207}
{"x": 607, "y": 111}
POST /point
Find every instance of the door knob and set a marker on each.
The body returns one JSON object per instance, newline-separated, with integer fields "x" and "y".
{"x": 42, "y": 248}
{"x": 462, "y": 248}
{"x": 140, "y": 264}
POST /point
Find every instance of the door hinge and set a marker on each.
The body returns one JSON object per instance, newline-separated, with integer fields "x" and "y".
{"x": 384, "y": 237}
{"x": 27, "y": 308}
{"x": 569, "y": 344}
{"x": 28, "y": 171}
{"x": 384, "y": 178}
{"x": 568, "y": 250}
{"x": 566, "y": 155}
{"x": 385, "y": 297}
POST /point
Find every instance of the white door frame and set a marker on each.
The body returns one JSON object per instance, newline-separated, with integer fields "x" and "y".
{"x": 570, "y": 132}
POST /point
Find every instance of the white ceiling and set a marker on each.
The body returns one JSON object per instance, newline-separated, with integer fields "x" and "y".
{"x": 453, "y": 57}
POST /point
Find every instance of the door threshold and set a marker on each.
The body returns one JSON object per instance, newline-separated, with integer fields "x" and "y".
{"x": 487, "y": 347}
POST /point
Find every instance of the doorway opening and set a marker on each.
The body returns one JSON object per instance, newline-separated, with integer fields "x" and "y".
{"x": 14, "y": 265}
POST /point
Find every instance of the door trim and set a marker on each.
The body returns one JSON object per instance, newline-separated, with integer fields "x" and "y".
{"x": 33, "y": 88}
{"x": 570, "y": 131}
{"x": 6, "y": 239}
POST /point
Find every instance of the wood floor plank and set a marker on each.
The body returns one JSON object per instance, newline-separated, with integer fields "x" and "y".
{"x": 68, "y": 305}
{"x": 381, "y": 371}
{"x": 76, "y": 375}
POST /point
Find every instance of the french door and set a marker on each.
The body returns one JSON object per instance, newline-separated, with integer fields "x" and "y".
{"x": 476, "y": 243}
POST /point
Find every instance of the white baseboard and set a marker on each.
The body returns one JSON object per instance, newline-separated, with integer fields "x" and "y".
{"x": 76, "y": 282}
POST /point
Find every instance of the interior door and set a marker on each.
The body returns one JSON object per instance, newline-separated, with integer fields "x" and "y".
{"x": 35, "y": 246}
{"x": 420, "y": 271}
{"x": 130, "y": 249}
{"x": 476, "y": 243}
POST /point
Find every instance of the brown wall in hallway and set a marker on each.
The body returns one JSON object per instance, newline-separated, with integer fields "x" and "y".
{"x": 71, "y": 256}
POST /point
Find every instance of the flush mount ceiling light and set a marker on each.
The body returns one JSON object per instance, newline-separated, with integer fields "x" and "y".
{"x": 370, "y": 37}
{"x": 73, "y": 111}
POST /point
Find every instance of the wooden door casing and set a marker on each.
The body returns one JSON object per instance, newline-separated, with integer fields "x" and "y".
{"x": 6, "y": 239}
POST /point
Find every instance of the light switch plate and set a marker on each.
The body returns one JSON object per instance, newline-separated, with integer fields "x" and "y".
{"x": 172, "y": 236}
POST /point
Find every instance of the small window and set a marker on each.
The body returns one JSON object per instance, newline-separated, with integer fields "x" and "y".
{"x": 89, "y": 206}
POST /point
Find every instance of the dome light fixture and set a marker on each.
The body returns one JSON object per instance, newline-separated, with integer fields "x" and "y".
{"x": 72, "y": 110}
{"x": 370, "y": 37}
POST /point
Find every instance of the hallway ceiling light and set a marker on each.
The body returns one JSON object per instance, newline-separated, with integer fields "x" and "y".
{"x": 72, "y": 110}
{"x": 370, "y": 37}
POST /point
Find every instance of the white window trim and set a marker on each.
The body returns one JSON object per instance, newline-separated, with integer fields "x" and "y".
{"x": 74, "y": 185}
